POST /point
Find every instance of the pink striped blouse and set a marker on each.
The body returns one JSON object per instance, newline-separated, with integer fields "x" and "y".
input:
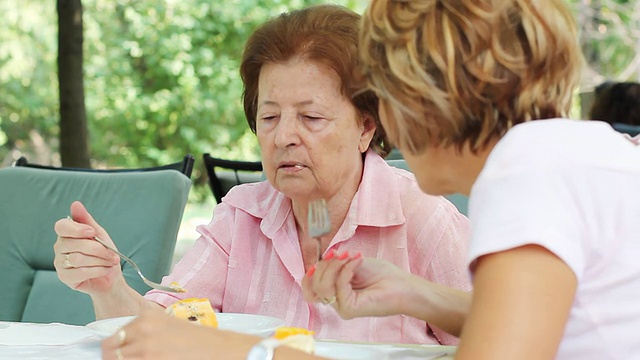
{"x": 248, "y": 259}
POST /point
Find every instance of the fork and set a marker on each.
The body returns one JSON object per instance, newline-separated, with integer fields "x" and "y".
{"x": 318, "y": 222}
{"x": 173, "y": 287}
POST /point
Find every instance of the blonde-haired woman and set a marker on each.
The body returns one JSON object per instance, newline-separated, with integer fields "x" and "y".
{"x": 553, "y": 204}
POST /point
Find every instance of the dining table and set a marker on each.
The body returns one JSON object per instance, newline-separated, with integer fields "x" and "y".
{"x": 43, "y": 341}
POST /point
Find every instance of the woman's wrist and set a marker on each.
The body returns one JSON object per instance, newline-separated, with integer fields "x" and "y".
{"x": 121, "y": 300}
{"x": 412, "y": 296}
{"x": 438, "y": 305}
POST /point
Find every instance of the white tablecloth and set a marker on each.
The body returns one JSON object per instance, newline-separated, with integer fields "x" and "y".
{"x": 48, "y": 341}
{"x": 69, "y": 342}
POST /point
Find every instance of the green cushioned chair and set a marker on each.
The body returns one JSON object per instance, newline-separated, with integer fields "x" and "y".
{"x": 141, "y": 210}
{"x": 459, "y": 200}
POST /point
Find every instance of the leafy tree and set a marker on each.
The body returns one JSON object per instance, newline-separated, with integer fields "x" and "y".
{"x": 161, "y": 77}
{"x": 28, "y": 84}
{"x": 610, "y": 38}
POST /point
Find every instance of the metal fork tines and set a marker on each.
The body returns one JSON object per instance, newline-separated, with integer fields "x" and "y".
{"x": 155, "y": 285}
{"x": 318, "y": 222}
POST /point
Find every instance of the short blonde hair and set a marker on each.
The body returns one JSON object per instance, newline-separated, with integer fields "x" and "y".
{"x": 451, "y": 72}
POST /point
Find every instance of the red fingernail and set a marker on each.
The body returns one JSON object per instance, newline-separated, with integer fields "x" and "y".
{"x": 358, "y": 255}
{"x": 311, "y": 271}
{"x": 343, "y": 256}
{"x": 329, "y": 255}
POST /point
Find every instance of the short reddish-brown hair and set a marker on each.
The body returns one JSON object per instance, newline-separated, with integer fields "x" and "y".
{"x": 326, "y": 34}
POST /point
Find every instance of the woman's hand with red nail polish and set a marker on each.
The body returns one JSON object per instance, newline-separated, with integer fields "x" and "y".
{"x": 330, "y": 255}
{"x": 311, "y": 271}
{"x": 320, "y": 282}
{"x": 362, "y": 286}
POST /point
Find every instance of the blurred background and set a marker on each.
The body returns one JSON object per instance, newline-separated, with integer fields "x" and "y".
{"x": 160, "y": 80}
{"x": 142, "y": 82}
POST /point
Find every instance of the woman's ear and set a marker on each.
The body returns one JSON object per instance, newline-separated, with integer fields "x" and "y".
{"x": 368, "y": 130}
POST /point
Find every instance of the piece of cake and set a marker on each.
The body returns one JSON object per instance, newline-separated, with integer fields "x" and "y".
{"x": 297, "y": 338}
{"x": 196, "y": 310}
{"x": 175, "y": 286}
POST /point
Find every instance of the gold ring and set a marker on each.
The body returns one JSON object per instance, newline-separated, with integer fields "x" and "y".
{"x": 122, "y": 335}
{"x": 119, "y": 355}
{"x": 329, "y": 301}
{"x": 67, "y": 263}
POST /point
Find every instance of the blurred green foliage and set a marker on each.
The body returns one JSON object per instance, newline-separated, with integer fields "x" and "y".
{"x": 161, "y": 77}
{"x": 610, "y": 37}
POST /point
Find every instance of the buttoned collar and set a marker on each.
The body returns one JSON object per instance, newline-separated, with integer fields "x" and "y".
{"x": 376, "y": 202}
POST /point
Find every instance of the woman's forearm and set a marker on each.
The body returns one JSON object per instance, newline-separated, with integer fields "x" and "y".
{"x": 438, "y": 305}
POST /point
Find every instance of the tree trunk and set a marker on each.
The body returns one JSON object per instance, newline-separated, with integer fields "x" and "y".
{"x": 74, "y": 150}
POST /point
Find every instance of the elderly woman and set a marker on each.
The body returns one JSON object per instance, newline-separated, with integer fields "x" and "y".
{"x": 553, "y": 202}
{"x": 320, "y": 139}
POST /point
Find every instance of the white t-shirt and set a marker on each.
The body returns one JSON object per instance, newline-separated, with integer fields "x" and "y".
{"x": 572, "y": 187}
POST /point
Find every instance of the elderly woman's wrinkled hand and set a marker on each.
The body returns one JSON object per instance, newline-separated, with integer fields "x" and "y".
{"x": 82, "y": 263}
{"x": 361, "y": 286}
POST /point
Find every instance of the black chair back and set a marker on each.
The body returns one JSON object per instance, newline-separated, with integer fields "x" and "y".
{"x": 237, "y": 172}
{"x": 185, "y": 166}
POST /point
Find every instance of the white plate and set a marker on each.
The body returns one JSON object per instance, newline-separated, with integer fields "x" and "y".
{"x": 108, "y": 327}
{"x": 243, "y": 323}
{"x": 343, "y": 351}
{"x": 249, "y": 324}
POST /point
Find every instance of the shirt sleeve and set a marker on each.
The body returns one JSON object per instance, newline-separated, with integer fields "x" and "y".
{"x": 203, "y": 269}
{"x": 442, "y": 247}
{"x": 521, "y": 206}
{"x": 448, "y": 263}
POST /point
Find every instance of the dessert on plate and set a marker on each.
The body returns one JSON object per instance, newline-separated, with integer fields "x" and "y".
{"x": 175, "y": 286}
{"x": 297, "y": 338}
{"x": 196, "y": 310}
